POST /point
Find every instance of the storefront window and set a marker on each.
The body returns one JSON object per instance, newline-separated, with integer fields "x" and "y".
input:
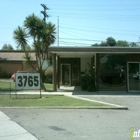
{"x": 112, "y": 72}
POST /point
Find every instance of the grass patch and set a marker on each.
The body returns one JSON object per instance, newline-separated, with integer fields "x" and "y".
{"x": 46, "y": 100}
{"x": 7, "y": 85}
{"x": 48, "y": 86}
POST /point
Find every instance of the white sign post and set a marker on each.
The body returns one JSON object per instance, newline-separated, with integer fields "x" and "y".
{"x": 26, "y": 80}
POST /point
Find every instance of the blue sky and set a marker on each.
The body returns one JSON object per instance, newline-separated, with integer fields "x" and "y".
{"x": 81, "y": 22}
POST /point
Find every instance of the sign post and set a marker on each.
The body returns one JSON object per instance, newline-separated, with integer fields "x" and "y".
{"x": 27, "y": 81}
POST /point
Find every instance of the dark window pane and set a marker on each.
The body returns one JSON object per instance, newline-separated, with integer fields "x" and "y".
{"x": 112, "y": 72}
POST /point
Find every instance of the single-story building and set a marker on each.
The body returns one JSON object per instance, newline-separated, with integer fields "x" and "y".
{"x": 116, "y": 68}
{"x": 12, "y": 61}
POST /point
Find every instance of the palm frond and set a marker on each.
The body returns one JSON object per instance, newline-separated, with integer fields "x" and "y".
{"x": 20, "y": 37}
{"x": 34, "y": 25}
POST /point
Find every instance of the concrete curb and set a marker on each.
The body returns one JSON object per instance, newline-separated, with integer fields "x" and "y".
{"x": 68, "y": 107}
{"x": 114, "y": 106}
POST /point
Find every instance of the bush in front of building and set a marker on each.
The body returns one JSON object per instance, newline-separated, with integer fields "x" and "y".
{"x": 88, "y": 83}
{"x": 88, "y": 80}
{"x": 84, "y": 82}
{"x": 4, "y": 74}
{"x": 48, "y": 76}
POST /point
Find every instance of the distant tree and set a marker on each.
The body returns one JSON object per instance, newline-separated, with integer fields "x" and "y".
{"x": 103, "y": 43}
{"x": 122, "y": 43}
{"x": 111, "y": 41}
{"x": 27, "y": 48}
{"x": 96, "y": 44}
{"x": 133, "y": 44}
{"x": 7, "y": 47}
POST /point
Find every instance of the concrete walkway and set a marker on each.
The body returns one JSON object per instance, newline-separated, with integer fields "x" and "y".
{"x": 9, "y": 130}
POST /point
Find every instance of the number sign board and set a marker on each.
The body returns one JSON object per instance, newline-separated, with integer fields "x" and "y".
{"x": 27, "y": 80}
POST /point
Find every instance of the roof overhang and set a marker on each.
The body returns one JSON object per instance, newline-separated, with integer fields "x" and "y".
{"x": 90, "y": 51}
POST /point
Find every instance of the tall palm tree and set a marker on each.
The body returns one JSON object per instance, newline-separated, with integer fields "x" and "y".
{"x": 43, "y": 35}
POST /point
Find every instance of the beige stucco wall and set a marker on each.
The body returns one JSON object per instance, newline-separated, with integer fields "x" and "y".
{"x": 84, "y": 63}
{"x": 29, "y": 68}
{"x": 12, "y": 67}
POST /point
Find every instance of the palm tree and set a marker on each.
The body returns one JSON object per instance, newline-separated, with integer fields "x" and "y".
{"x": 43, "y": 35}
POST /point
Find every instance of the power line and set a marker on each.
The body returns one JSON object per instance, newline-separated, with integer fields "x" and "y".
{"x": 102, "y": 32}
{"x": 81, "y": 39}
{"x": 98, "y": 18}
{"x": 79, "y": 27}
{"x": 77, "y": 34}
{"x": 95, "y": 29}
{"x": 75, "y": 43}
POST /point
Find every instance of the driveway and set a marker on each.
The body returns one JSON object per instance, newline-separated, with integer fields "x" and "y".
{"x": 130, "y": 101}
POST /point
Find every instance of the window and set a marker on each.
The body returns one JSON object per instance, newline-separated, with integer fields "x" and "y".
{"x": 112, "y": 72}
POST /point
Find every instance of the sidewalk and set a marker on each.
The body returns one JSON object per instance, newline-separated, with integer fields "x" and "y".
{"x": 9, "y": 130}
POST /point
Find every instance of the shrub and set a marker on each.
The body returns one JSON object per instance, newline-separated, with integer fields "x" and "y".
{"x": 84, "y": 83}
{"x": 48, "y": 76}
{"x": 4, "y": 74}
{"x": 88, "y": 80}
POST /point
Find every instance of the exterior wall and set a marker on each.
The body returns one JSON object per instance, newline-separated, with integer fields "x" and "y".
{"x": 84, "y": 63}
{"x": 133, "y": 57}
{"x": 29, "y": 68}
{"x": 12, "y": 67}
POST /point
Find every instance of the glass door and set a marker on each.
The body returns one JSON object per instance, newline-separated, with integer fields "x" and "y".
{"x": 65, "y": 74}
{"x": 133, "y": 76}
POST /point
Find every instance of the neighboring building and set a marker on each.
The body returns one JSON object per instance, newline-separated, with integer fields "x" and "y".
{"x": 117, "y": 68}
{"x": 12, "y": 61}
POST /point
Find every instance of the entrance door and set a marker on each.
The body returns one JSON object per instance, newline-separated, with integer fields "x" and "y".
{"x": 65, "y": 74}
{"x": 133, "y": 76}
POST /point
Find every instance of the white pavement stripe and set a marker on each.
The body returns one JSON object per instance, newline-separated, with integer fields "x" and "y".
{"x": 74, "y": 96}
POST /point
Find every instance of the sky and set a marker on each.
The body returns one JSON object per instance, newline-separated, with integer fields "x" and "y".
{"x": 81, "y": 22}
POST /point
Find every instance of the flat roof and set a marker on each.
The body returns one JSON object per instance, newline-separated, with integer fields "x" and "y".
{"x": 63, "y": 51}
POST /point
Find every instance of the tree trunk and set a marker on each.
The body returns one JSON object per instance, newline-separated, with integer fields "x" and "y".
{"x": 41, "y": 79}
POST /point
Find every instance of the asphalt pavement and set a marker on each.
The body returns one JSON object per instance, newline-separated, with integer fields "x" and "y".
{"x": 77, "y": 124}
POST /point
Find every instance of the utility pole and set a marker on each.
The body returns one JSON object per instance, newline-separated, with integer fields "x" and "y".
{"x": 44, "y": 18}
{"x": 58, "y": 31}
{"x": 44, "y": 12}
